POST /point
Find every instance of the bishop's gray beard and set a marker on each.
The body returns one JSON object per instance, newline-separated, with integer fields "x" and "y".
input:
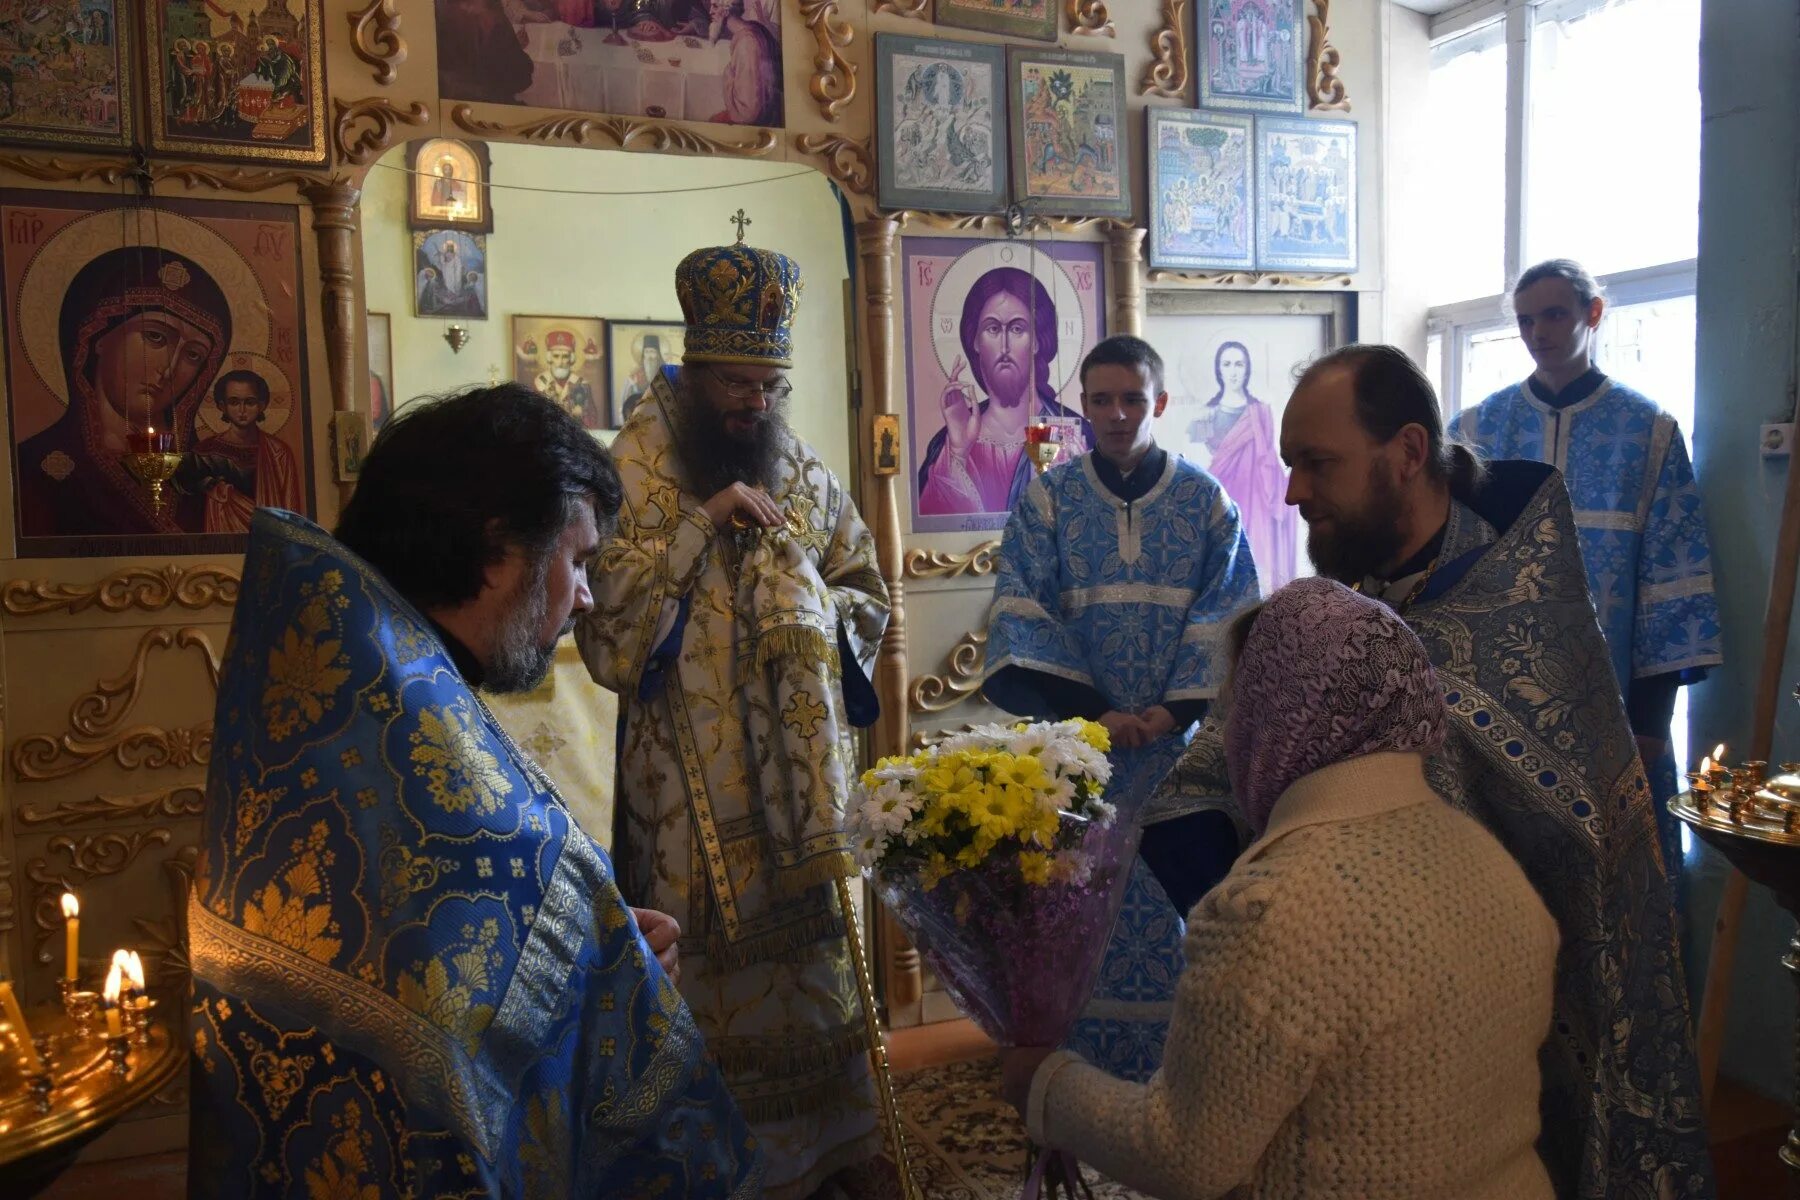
{"x": 520, "y": 663}
{"x": 712, "y": 458}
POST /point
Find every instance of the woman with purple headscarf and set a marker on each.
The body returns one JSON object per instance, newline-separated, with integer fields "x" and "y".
{"x": 1367, "y": 990}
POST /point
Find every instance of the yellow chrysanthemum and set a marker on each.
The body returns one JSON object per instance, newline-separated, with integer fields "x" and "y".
{"x": 1034, "y": 867}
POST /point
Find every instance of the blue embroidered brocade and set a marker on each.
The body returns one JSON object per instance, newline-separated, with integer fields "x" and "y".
{"x": 412, "y": 972}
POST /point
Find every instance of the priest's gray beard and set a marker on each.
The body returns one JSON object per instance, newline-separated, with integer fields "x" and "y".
{"x": 713, "y": 458}
{"x": 520, "y": 662}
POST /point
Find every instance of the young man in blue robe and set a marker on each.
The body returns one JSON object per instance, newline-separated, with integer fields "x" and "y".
{"x": 414, "y": 975}
{"x": 1483, "y": 564}
{"x": 1637, "y": 509}
{"x": 1117, "y": 572}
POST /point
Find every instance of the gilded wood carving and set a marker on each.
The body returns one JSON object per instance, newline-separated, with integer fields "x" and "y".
{"x": 833, "y": 82}
{"x": 90, "y": 857}
{"x": 877, "y": 245}
{"x": 380, "y": 116}
{"x": 626, "y": 133}
{"x": 1167, "y": 74}
{"x": 1125, "y": 260}
{"x": 170, "y": 804}
{"x": 98, "y": 712}
{"x": 1090, "y": 17}
{"x": 909, "y": 218}
{"x": 846, "y": 161}
{"x": 189, "y": 175}
{"x": 63, "y": 170}
{"x": 40, "y": 757}
{"x": 904, "y": 8}
{"x": 935, "y": 693}
{"x": 150, "y": 589}
{"x": 1250, "y": 279}
{"x": 166, "y": 957}
{"x": 335, "y": 216}
{"x": 375, "y": 38}
{"x": 943, "y": 564}
{"x": 96, "y": 716}
{"x": 9, "y": 908}
{"x": 1324, "y": 89}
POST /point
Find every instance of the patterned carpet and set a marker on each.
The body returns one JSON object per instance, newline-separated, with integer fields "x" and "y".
{"x": 965, "y": 1142}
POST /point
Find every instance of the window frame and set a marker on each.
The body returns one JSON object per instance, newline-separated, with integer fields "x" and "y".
{"x": 1455, "y": 323}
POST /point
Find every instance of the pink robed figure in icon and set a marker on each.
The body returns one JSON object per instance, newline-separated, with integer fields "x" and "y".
{"x": 1246, "y": 460}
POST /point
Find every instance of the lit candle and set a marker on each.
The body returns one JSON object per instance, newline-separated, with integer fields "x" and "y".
{"x": 71, "y": 935}
{"x": 112, "y": 1000}
{"x": 134, "y": 971}
{"x": 121, "y": 962}
{"x": 9, "y": 1004}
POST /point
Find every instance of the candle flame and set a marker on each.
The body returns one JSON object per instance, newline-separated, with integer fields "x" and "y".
{"x": 112, "y": 984}
{"x": 1706, "y": 766}
{"x": 1718, "y": 753}
{"x": 134, "y": 971}
{"x": 121, "y": 960}
{"x": 71, "y": 906}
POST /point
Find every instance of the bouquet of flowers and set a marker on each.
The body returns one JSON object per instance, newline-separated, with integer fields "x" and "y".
{"x": 996, "y": 852}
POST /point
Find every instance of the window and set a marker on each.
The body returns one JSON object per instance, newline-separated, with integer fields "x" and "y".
{"x": 1465, "y": 126}
{"x": 1593, "y": 174}
{"x": 1592, "y": 135}
{"x": 1591, "y": 171}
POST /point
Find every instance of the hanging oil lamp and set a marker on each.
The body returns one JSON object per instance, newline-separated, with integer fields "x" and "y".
{"x": 153, "y": 460}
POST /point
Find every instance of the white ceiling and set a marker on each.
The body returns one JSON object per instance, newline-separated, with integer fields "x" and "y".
{"x": 1430, "y": 8}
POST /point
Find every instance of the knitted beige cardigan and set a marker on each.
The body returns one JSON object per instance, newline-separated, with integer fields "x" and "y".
{"x": 1360, "y": 1017}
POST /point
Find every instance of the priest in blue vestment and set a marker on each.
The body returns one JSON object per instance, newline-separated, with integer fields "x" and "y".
{"x": 414, "y": 974}
{"x": 1637, "y": 509}
{"x": 1482, "y": 562}
{"x": 1116, "y": 574}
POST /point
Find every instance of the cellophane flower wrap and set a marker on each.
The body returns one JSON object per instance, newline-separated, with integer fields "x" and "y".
{"x": 996, "y": 852}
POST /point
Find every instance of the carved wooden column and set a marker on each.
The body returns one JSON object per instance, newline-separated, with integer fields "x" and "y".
{"x": 877, "y": 238}
{"x": 335, "y": 225}
{"x": 1125, "y": 258}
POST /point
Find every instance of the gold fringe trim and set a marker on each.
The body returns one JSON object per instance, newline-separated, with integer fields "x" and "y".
{"x": 799, "y": 642}
{"x": 761, "y": 1110}
{"x": 763, "y": 947}
{"x": 744, "y": 855}
{"x": 826, "y": 868}
{"x": 796, "y": 1054}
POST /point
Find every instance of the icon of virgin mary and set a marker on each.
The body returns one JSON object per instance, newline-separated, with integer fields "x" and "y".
{"x": 141, "y": 332}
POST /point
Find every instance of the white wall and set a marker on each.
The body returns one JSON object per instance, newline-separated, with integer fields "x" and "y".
{"x": 1409, "y": 185}
{"x": 1746, "y": 358}
{"x": 614, "y": 256}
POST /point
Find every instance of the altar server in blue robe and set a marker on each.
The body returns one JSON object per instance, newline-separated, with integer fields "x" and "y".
{"x": 414, "y": 974}
{"x": 1117, "y": 573}
{"x": 1637, "y": 509}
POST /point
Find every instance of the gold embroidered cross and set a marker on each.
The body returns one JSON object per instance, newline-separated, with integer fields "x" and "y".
{"x": 740, "y": 220}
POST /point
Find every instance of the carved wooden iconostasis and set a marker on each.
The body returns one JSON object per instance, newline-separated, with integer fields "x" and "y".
{"x": 113, "y": 617}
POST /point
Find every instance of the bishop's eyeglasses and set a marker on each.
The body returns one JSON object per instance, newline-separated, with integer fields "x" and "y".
{"x": 774, "y": 391}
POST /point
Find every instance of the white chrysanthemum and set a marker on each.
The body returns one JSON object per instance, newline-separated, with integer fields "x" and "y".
{"x": 869, "y": 848}
{"x": 1072, "y": 867}
{"x": 895, "y": 771}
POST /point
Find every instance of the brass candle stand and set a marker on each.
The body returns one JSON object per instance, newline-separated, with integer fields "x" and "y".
{"x": 82, "y": 1082}
{"x": 1754, "y": 821}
